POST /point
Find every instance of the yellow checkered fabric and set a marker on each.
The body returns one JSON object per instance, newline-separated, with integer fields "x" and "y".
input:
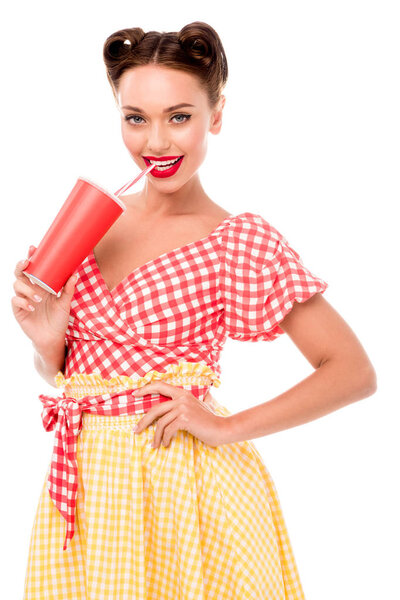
{"x": 189, "y": 521}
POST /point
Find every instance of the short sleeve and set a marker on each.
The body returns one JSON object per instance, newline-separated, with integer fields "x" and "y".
{"x": 260, "y": 278}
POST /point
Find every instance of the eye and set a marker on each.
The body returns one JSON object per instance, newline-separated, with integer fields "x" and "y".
{"x": 186, "y": 117}
{"x": 128, "y": 118}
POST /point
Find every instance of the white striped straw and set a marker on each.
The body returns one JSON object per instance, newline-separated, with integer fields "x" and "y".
{"x": 134, "y": 180}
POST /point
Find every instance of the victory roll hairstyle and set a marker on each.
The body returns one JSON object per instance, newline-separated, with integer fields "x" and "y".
{"x": 196, "y": 49}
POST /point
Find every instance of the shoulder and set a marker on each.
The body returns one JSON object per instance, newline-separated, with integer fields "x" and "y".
{"x": 248, "y": 224}
{"x": 250, "y": 235}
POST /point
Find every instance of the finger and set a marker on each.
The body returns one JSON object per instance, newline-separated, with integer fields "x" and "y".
{"x": 23, "y": 289}
{"x": 159, "y": 387}
{"x": 22, "y": 264}
{"x": 152, "y": 414}
{"x": 69, "y": 287}
{"x": 19, "y": 302}
{"x": 169, "y": 433}
{"x": 161, "y": 425}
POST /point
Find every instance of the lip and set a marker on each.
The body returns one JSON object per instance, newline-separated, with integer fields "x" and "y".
{"x": 163, "y": 157}
{"x": 167, "y": 172}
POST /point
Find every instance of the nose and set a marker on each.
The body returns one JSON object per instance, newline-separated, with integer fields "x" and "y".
{"x": 157, "y": 141}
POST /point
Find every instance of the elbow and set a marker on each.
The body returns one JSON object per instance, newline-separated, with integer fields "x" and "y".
{"x": 366, "y": 380}
{"x": 359, "y": 377}
{"x": 370, "y": 381}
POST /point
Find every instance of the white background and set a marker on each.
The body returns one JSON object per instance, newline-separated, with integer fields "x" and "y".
{"x": 310, "y": 140}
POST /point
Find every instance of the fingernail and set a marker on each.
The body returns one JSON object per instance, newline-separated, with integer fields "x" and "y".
{"x": 135, "y": 428}
{"x": 37, "y": 298}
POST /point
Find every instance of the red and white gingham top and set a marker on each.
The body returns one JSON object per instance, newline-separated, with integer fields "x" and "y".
{"x": 239, "y": 282}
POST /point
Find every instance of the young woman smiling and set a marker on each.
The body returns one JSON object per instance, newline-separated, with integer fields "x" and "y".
{"x": 155, "y": 490}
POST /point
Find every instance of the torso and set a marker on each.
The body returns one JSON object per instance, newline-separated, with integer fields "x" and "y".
{"x": 132, "y": 240}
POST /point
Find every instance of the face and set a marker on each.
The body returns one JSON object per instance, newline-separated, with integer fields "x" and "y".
{"x": 150, "y": 128}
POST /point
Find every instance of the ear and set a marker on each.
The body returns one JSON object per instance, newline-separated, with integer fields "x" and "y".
{"x": 216, "y": 117}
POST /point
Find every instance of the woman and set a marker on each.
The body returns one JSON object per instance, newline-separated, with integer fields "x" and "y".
{"x": 182, "y": 507}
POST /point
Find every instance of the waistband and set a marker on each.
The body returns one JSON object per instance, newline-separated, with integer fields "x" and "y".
{"x": 79, "y": 385}
{"x": 100, "y": 422}
{"x": 106, "y": 398}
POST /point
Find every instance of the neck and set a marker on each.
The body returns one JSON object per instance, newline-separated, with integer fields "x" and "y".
{"x": 189, "y": 198}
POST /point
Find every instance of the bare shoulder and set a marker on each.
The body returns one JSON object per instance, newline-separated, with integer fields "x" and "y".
{"x": 211, "y": 218}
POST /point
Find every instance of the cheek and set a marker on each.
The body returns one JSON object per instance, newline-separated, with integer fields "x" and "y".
{"x": 132, "y": 140}
{"x": 194, "y": 140}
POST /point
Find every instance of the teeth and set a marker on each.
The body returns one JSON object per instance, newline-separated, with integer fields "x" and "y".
{"x": 162, "y": 168}
{"x": 163, "y": 163}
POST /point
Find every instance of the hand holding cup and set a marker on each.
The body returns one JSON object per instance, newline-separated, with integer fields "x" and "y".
{"x": 47, "y": 322}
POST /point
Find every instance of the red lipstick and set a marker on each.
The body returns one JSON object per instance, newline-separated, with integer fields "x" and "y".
{"x": 162, "y": 157}
{"x": 164, "y": 170}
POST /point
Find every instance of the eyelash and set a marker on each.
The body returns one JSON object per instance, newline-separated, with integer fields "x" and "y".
{"x": 187, "y": 117}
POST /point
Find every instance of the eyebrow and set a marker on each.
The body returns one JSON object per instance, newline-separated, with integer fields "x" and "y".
{"x": 166, "y": 110}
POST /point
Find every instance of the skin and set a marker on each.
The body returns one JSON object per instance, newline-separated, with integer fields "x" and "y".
{"x": 152, "y": 133}
{"x": 168, "y": 212}
{"x": 154, "y": 211}
{"x": 343, "y": 372}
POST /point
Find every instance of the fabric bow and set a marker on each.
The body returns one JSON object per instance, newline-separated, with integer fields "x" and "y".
{"x": 64, "y": 413}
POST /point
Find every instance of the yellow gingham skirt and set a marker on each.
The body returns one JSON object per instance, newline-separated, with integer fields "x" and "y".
{"x": 188, "y": 522}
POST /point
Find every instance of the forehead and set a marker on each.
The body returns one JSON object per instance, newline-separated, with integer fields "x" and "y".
{"x": 152, "y": 85}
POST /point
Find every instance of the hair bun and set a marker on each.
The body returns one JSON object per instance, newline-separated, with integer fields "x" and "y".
{"x": 197, "y": 41}
{"x": 122, "y": 42}
{"x": 195, "y": 49}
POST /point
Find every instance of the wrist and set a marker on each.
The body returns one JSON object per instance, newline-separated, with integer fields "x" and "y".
{"x": 230, "y": 433}
{"x": 51, "y": 350}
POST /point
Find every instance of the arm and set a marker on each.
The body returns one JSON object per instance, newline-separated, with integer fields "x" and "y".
{"x": 343, "y": 374}
{"x": 48, "y": 361}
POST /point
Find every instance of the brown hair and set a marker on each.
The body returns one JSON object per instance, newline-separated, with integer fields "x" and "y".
{"x": 196, "y": 49}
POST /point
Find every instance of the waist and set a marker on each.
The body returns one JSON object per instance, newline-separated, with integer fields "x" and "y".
{"x": 100, "y": 398}
{"x": 195, "y": 377}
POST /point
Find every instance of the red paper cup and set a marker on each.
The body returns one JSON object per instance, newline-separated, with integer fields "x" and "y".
{"x": 84, "y": 218}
